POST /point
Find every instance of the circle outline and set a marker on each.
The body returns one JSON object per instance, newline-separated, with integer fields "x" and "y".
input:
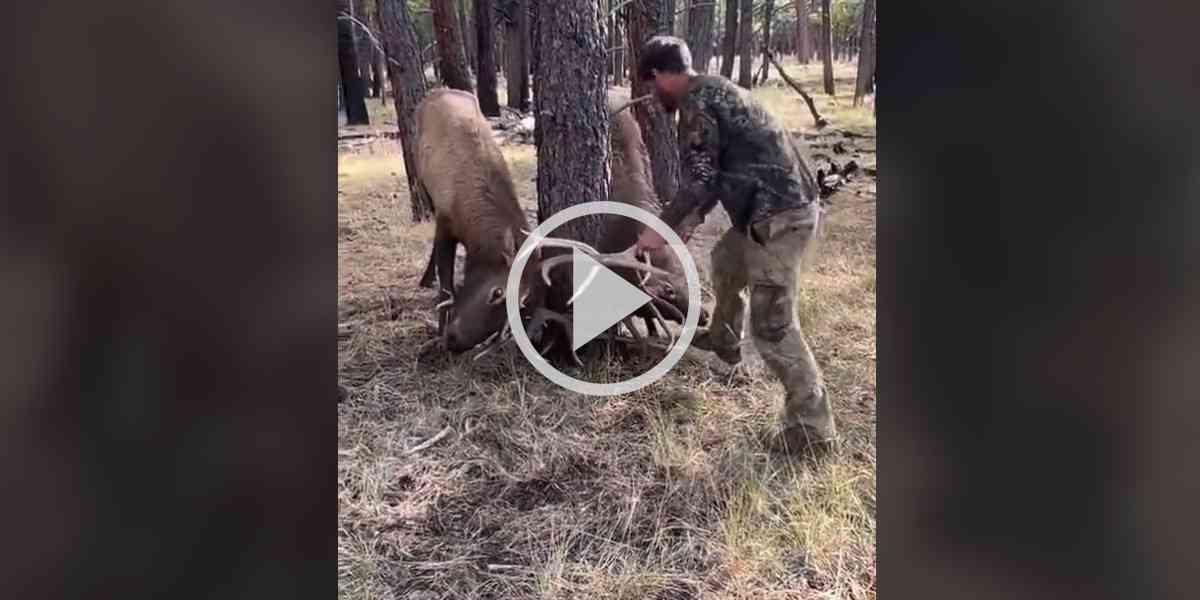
{"x": 513, "y": 308}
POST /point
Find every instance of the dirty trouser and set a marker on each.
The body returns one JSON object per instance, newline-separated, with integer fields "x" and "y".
{"x": 770, "y": 266}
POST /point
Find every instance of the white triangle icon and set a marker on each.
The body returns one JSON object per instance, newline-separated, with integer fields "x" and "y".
{"x": 601, "y": 299}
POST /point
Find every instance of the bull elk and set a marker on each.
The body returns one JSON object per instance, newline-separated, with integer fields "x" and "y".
{"x": 475, "y": 204}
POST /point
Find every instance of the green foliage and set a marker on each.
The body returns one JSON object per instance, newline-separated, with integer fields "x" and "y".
{"x": 845, "y": 16}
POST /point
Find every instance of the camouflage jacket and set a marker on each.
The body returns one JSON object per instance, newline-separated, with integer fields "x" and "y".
{"x": 732, "y": 150}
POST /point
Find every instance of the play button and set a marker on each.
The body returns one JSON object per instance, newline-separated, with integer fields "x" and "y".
{"x": 601, "y": 299}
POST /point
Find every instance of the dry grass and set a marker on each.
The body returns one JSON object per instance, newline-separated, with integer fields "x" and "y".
{"x": 542, "y": 493}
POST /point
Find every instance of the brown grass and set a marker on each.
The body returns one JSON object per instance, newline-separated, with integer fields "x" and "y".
{"x": 542, "y": 493}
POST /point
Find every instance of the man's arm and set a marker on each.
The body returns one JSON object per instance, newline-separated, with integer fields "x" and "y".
{"x": 699, "y": 153}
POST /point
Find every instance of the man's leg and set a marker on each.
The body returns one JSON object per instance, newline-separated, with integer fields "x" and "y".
{"x": 724, "y": 333}
{"x": 806, "y": 422}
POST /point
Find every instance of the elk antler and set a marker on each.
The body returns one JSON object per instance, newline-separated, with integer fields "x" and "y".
{"x": 542, "y": 315}
{"x": 614, "y": 259}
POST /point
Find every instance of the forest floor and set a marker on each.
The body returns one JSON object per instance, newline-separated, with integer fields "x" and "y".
{"x": 537, "y": 492}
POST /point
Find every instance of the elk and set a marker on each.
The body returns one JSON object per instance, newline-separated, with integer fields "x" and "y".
{"x": 475, "y": 204}
{"x": 632, "y": 184}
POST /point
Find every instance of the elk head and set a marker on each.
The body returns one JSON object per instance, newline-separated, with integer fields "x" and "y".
{"x": 479, "y": 305}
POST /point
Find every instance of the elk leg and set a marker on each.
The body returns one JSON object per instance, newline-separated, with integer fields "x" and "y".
{"x": 443, "y": 251}
{"x": 430, "y": 273}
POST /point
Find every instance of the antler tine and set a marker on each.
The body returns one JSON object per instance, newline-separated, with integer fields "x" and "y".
{"x": 645, "y": 274}
{"x": 676, "y": 314}
{"x": 550, "y": 263}
{"x": 662, "y": 323}
{"x": 621, "y": 260}
{"x": 554, "y": 242}
{"x": 496, "y": 340}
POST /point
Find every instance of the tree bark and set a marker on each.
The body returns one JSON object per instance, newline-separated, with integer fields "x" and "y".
{"x": 464, "y": 25}
{"x": 517, "y": 42}
{"x": 768, "y": 15}
{"x": 352, "y": 87}
{"x": 377, "y": 76}
{"x": 827, "y": 46}
{"x": 647, "y": 19}
{"x": 408, "y": 89}
{"x": 746, "y": 43}
{"x": 572, "y": 114}
{"x": 452, "y": 59}
{"x": 729, "y": 45}
{"x": 700, "y": 33}
{"x": 362, "y": 48}
{"x": 485, "y": 70}
{"x": 865, "y": 81}
{"x": 535, "y": 59}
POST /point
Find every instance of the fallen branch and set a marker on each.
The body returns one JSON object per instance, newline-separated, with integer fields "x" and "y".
{"x": 817, "y": 118}
{"x": 429, "y": 442}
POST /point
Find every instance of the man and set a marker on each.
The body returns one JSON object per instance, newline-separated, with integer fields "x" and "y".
{"x": 732, "y": 151}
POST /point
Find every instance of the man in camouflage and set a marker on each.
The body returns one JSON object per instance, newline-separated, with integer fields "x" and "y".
{"x": 734, "y": 152}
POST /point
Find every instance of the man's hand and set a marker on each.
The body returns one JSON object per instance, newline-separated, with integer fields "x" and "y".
{"x": 649, "y": 241}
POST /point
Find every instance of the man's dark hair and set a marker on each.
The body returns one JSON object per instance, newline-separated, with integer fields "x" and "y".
{"x": 664, "y": 53}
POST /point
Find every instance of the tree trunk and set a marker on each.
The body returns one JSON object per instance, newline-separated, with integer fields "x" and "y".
{"x": 864, "y": 83}
{"x": 464, "y": 25}
{"x": 452, "y": 59}
{"x": 572, "y": 114}
{"x": 802, "y": 42}
{"x": 768, "y": 15}
{"x": 746, "y": 42}
{"x": 700, "y": 33}
{"x": 827, "y": 47}
{"x": 485, "y": 70}
{"x": 535, "y": 60}
{"x": 647, "y": 19}
{"x": 352, "y": 87}
{"x": 517, "y": 42}
{"x": 362, "y": 47}
{"x": 682, "y": 23}
{"x": 377, "y": 76}
{"x": 729, "y": 45}
{"x": 408, "y": 89}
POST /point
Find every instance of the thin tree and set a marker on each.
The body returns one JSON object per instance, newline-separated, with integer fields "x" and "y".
{"x": 352, "y": 87}
{"x": 730, "y": 41}
{"x": 516, "y": 41}
{"x": 827, "y": 46}
{"x": 485, "y": 69}
{"x": 571, "y": 102}
{"x": 700, "y": 33}
{"x": 746, "y": 43}
{"x": 362, "y": 47}
{"x": 408, "y": 89}
{"x": 647, "y": 19}
{"x": 464, "y": 25}
{"x": 865, "y": 81}
{"x": 452, "y": 59}
{"x": 768, "y": 16}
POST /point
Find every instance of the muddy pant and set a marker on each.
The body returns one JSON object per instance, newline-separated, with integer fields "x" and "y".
{"x": 768, "y": 263}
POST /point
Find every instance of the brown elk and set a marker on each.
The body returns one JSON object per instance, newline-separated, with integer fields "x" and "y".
{"x": 632, "y": 184}
{"x": 475, "y": 204}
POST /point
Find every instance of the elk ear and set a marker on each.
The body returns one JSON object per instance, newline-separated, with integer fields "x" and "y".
{"x": 509, "y": 245}
{"x": 497, "y": 296}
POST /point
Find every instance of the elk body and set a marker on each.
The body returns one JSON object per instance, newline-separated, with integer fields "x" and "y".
{"x": 475, "y": 204}
{"x": 632, "y": 184}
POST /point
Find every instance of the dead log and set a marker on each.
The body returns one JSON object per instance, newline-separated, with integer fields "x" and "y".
{"x": 817, "y": 118}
